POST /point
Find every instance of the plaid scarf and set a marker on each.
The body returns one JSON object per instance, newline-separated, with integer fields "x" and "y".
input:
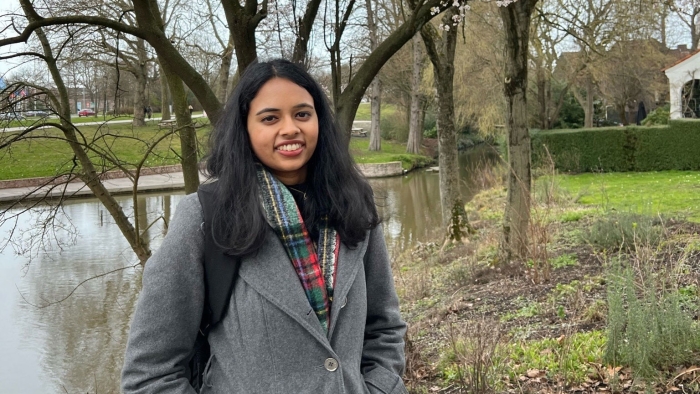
{"x": 314, "y": 265}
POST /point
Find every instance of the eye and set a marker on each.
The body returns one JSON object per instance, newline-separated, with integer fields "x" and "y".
{"x": 304, "y": 115}
{"x": 268, "y": 119}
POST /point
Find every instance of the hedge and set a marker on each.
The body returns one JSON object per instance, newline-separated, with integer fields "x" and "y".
{"x": 614, "y": 149}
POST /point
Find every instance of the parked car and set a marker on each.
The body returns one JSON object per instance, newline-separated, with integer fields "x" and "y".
{"x": 11, "y": 116}
{"x": 39, "y": 113}
{"x": 86, "y": 112}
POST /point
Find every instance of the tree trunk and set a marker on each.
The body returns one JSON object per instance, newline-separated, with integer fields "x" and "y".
{"x": 188, "y": 136}
{"x": 694, "y": 33}
{"x": 243, "y": 18}
{"x": 415, "y": 130}
{"x": 225, "y": 71}
{"x": 139, "y": 102}
{"x": 141, "y": 74}
{"x": 305, "y": 26}
{"x": 516, "y": 24}
{"x": 375, "y": 133}
{"x": 88, "y": 173}
{"x": 542, "y": 96}
{"x": 165, "y": 96}
{"x": 441, "y": 51}
{"x": 588, "y": 109}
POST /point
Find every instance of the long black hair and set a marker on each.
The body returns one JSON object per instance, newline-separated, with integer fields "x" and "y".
{"x": 335, "y": 186}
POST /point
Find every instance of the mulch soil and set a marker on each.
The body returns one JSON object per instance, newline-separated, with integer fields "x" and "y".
{"x": 492, "y": 294}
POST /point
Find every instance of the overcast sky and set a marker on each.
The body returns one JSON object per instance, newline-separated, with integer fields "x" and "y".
{"x": 5, "y": 6}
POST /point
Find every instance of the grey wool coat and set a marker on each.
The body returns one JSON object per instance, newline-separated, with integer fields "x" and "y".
{"x": 270, "y": 340}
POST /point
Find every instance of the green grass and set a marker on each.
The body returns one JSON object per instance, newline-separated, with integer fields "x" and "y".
{"x": 48, "y": 154}
{"x": 363, "y": 111}
{"x": 569, "y": 357}
{"x": 670, "y": 193}
{"x": 391, "y": 151}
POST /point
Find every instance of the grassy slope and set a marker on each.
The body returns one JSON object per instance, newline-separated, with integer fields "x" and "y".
{"x": 391, "y": 151}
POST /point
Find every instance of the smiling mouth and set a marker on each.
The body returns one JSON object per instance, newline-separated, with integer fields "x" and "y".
{"x": 289, "y": 147}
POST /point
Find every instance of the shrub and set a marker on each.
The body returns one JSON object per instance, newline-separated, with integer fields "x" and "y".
{"x": 622, "y": 230}
{"x": 633, "y": 148}
{"x": 659, "y": 116}
{"x": 647, "y": 328}
{"x": 394, "y": 126}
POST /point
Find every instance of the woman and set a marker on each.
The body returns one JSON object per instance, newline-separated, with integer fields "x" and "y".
{"x": 313, "y": 308}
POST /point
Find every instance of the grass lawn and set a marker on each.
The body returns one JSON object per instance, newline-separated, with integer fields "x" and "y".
{"x": 47, "y": 154}
{"x": 671, "y": 193}
{"x": 363, "y": 111}
{"x": 391, "y": 151}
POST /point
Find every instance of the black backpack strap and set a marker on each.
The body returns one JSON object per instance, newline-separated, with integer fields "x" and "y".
{"x": 220, "y": 272}
{"x": 220, "y": 269}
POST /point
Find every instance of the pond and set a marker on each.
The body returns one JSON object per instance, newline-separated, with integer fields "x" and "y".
{"x": 66, "y": 333}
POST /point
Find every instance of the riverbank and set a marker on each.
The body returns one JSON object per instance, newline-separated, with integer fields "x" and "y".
{"x": 608, "y": 301}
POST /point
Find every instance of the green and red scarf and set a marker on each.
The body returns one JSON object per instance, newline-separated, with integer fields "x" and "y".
{"x": 314, "y": 264}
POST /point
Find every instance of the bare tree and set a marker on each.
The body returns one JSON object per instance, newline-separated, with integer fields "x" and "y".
{"x": 375, "y": 88}
{"x": 441, "y": 51}
{"x": 415, "y": 129}
{"x": 516, "y": 18}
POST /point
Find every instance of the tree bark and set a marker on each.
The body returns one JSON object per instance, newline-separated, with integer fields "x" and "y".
{"x": 375, "y": 133}
{"x": 242, "y": 20}
{"x": 186, "y": 130}
{"x": 415, "y": 131}
{"x": 306, "y": 24}
{"x": 588, "y": 110}
{"x": 225, "y": 71}
{"x": 165, "y": 95}
{"x": 516, "y": 23}
{"x": 441, "y": 51}
{"x": 141, "y": 74}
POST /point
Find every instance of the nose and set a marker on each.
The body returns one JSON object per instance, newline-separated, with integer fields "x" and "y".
{"x": 289, "y": 126}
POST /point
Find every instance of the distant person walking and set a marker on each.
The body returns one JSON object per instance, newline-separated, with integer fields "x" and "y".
{"x": 191, "y": 109}
{"x": 149, "y": 111}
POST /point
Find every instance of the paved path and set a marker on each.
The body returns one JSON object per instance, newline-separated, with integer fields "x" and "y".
{"x": 10, "y": 129}
{"x": 171, "y": 181}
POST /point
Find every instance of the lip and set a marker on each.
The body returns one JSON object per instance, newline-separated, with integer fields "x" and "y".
{"x": 290, "y": 153}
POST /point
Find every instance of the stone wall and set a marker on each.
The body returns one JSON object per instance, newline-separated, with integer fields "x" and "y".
{"x": 379, "y": 170}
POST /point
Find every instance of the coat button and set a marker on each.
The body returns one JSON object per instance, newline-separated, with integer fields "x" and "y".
{"x": 345, "y": 302}
{"x": 331, "y": 364}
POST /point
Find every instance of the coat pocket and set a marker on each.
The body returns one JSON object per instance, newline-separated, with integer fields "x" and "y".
{"x": 381, "y": 381}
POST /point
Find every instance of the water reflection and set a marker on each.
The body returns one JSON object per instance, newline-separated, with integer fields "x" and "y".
{"x": 77, "y": 345}
{"x": 410, "y": 205}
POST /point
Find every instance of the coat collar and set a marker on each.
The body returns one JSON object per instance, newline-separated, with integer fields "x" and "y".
{"x": 271, "y": 274}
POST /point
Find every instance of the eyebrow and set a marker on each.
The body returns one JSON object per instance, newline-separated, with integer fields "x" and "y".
{"x": 302, "y": 105}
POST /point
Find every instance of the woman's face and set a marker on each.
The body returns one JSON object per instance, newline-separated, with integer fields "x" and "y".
{"x": 283, "y": 129}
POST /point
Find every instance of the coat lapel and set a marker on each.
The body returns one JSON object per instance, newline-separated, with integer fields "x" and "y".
{"x": 270, "y": 273}
{"x": 349, "y": 262}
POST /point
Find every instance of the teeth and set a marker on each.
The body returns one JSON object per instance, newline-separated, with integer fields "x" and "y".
{"x": 289, "y": 147}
